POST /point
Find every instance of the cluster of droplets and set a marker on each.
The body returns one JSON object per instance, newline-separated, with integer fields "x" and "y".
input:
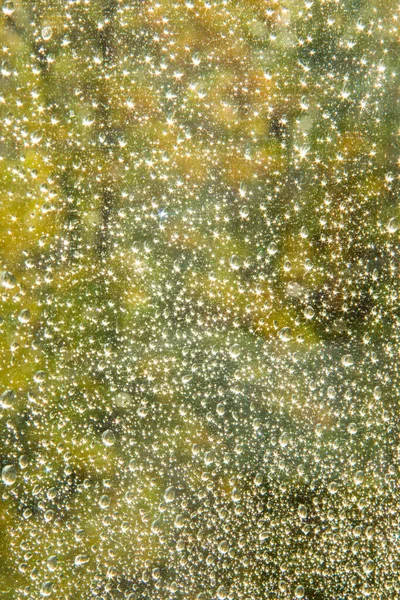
{"x": 198, "y": 300}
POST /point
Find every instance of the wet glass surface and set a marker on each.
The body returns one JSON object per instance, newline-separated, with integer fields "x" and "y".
{"x": 199, "y": 383}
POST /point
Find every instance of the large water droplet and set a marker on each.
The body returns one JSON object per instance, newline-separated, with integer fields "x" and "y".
{"x": 9, "y": 474}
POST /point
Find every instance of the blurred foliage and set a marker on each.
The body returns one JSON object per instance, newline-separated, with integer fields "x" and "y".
{"x": 199, "y": 247}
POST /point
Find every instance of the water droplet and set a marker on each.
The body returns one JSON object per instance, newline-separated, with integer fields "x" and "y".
{"x": 309, "y": 313}
{"x": 169, "y": 495}
{"x": 272, "y": 248}
{"x": 8, "y": 280}
{"x": 308, "y": 265}
{"x": 9, "y": 474}
{"x": 234, "y": 262}
{"x": 39, "y": 377}
{"x": 359, "y": 478}
{"x": 392, "y": 225}
{"x": 284, "y": 439}
{"x": 8, "y": 8}
{"x": 47, "y": 588}
{"x": 179, "y": 521}
{"x": 23, "y": 461}
{"x": 347, "y": 360}
{"x": 368, "y": 566}
{"x": 285, "y": 334}
{"x": 302, "y": 511}
{"x": 7, "y": 399}
{"x": 209, "y": 458}
{"x": 220, "y": 409}
{"x": 287, "y": 266}
{"x": 304, "y": 232}
{"x": 52, "y": 563}
{"x": 81, "y": 559}
{"x": 24, "y": 316}
{"x": 223, "y": 547}
{"x": 299, "y": 591}
{"x": 47, "y": 33}
{"x": 222, "y": 592}
{"x": 104, "y": 501}
{"x": 377, "y": 392}
{"x": 333, "y": 487}
{"x": 108, "y": 437}
{"x": 234, "y": 351}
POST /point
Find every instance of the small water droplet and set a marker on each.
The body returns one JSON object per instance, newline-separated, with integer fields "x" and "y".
{"x": 108, "y": 438}
{"x": 46, "y": 588}
{"x": 222, "y": 592}
{"x": 272, "y": 248}
{"x": 359, "y": 478}
{"x": 234, "y": 351}
{"x": 392, "y": 225}
{"x": 347, "y": 360}
{"x": 284, "y": 440}
{"x": 299, "y": 591}
{"x": 24, "y": 316}
{"x": 8, "y": 280}
{"x": 302, "y": 511}
{"x": 234, "y": 262}
{"x": 7, "y": 399}
{"x": 81, "y": 559}
{"x": 47, "y": 33}
{"x": 333, "y": 487}
{"x": 169, "y": 495}
{"x": 285, "y": 334}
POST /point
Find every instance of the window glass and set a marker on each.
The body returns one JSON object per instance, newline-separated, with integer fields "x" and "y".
{"x": 199, "y": 299}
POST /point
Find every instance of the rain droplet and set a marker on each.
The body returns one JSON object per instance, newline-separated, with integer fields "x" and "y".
{"x": 284, "y": 440}
{"x": 302, "y": 511}
{"x": 47, "y": 33}
{"x": 108, "y": 438}
{"x": 285, "y": 334}
{"x": 392, "y": 225}
{"x": 104, "y": 501}
{"x": 24, "y": 316}
{"x": 234, "y": 351}
{"x": 234, "y": 262}
{"x": 359, "y": 478}
{"x": 8, "y": 280}
{"x": 46, "y": 588}
{"x": 179, "y": 521}
{"x": 52, "y": 563}
{"x": 9, "y": 474}
{"x": 368, "y": 566}
{"x": 39, "y": 377}
{"x": 8, "y": 8}
{"x": 308, "y": 313}
{"x": 7, "y": 399}
{"x": 222, "y": 592}
{"x": 347, "y": 360}
{"x": 333, "y": 487}
{"x": 169, "y": 495}
{"x": 81, "y": 559}
{"x": 299, "y": 591}
{"x": 272, "y": 248}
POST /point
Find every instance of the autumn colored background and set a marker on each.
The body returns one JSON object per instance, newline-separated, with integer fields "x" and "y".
{"x": 199, "y": 300}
